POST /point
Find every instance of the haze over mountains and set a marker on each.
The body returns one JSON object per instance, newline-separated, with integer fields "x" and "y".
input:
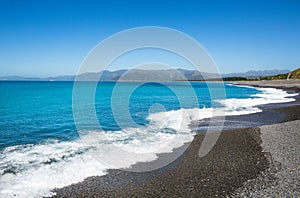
{"x": 147, "y": 75}
{"x": 257, "y": 73}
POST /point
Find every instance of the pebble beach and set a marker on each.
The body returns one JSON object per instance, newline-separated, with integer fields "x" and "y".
{"x": 257, "y": 161}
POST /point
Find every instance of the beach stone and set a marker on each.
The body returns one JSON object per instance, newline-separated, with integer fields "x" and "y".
{"x": 282, "y": 179}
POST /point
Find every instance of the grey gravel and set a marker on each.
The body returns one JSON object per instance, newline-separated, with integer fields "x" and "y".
{"x": 281, "y": 143}
{"x": 272, "y": 83}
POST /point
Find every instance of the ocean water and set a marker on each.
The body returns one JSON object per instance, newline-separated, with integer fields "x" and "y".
{"x": 41, "y": 148}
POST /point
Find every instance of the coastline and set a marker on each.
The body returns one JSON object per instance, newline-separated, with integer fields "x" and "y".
{"x": 239, "y": 158}
{"x": 287, "y": 84}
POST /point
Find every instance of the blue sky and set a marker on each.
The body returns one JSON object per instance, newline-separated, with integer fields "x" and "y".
{"x": 47, "y": 38}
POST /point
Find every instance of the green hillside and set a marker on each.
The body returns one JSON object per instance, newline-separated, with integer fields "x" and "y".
{"x": 292, "y": 75}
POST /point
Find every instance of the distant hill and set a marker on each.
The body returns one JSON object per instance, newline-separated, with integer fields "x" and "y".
{"x": 147, "y": 75}
{"x": 289, "y": 75}
{"x": 162, "y": 75}
{"x": 256, "y": 73}
{"x": 127, "y": 75}
{"x": 20, "y": 78}
{"x": 294, "y": 74}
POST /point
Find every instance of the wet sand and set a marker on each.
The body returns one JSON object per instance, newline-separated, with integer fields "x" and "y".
{"x": 243, "y": 162}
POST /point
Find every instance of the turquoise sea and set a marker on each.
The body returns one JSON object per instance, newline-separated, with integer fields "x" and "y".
{"x": 41, "y": 148}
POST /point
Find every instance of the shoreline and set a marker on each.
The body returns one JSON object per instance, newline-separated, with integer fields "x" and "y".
{"x": 238, "y": 157}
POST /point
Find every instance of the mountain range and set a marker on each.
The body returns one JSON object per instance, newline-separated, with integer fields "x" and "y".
{"x": 147, "y": 75}
{"x": 289, "y": 75}
{"x": 257, "y": 73}
{"x": 126, "y": 75}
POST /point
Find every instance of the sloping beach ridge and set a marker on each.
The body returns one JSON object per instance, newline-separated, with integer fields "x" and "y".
{"x": 261, "y": 160}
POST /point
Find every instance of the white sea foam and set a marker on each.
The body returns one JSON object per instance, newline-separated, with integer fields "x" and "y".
{"x": 34, "y": 170}
{"x": 267, "y": 96}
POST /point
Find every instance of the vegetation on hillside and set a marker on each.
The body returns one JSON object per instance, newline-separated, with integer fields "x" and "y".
{"x": 292, "y": 75}
{"x": 234, "y": 78}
